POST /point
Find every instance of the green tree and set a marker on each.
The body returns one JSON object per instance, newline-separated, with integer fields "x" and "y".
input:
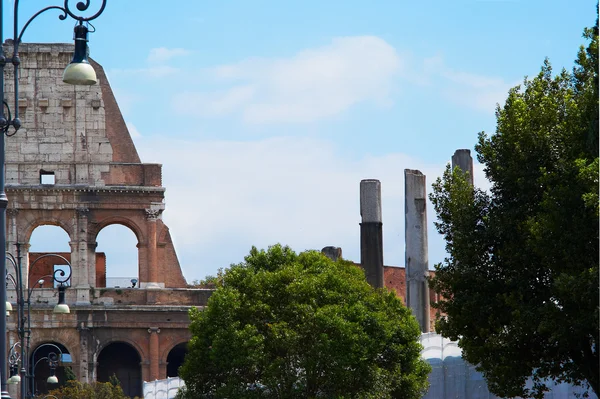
{"x": 521, "y": 277}
{"x": 287, "y": 325}
{"x": 96, "y": 390}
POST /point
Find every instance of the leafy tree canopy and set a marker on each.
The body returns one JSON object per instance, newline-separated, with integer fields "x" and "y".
{"x": 97, "y": 390}
{"x": 521, "y": 278}
{"x": 287, "y": 325}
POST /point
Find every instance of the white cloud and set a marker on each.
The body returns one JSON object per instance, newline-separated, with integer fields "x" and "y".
{"x": 312, "y": 85}
{"x": 476, "y": 91}
{"x": 163, "y": 54}
{"x": 225, "y": 196}
{"x": 214, "y": 104}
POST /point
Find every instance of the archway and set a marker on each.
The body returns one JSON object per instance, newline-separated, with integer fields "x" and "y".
{"x": 49, "y": 238}
{"x": 46, "y": 239}
{"x": 40, "y": 369}
{"x": 117, "y": 257}
{"x": 121, "y": 360}
{"x": 175, "y": 359}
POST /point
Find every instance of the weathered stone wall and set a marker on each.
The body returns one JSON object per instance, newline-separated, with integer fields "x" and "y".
{"x": 88, "y": 330}
{"x": 78, "y": 135}
{"x": 63, "y": 126}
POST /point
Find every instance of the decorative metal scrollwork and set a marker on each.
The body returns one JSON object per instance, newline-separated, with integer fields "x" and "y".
{"x": 83, "y": 6}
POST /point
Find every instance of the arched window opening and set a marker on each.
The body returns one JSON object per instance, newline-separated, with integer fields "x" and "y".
{"x": 122, "y": 361}
{"x": 175, "y": 359}
{"x": 117, "y": 258}
{"x": 41, "y": 367}
{"x": 48, "y": 239}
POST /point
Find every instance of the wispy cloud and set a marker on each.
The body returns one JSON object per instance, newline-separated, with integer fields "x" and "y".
{"x": 297, "y": 191}
{"x": 476, "y": 91}
{"x": 312, "y": 85}
{"x": 163, "y": 54}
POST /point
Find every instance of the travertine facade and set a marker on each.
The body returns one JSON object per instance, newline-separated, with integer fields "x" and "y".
{"x": 73, "y": 164}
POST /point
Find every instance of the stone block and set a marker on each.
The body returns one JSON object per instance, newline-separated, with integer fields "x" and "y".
{"x": 55, "y": 157}
{"x": 67, "y": 148}
{"x": 370, "y": 200}
{"x": 54, "y": 148}
{"x": 29, "y": 148}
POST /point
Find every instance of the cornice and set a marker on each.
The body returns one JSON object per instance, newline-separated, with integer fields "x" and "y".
{"x": 86, "y": 189}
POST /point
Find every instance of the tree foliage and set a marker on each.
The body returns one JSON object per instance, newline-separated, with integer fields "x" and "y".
{"x": 287, "y": 325}
{"x": 96, "y": 390}
{"x": 521, "y": 278}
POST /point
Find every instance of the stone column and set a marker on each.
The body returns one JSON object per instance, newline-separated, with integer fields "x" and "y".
{"x": 462, "y": 159}
{"x": 151, "y": 249}
{"x": 82, "y": 278}
{"x": 154, "y": 353}
{"x": 333, "y": 253}
{"x": 84, "y": 355}
{"x": 416, "y": 256}
{"x": 371, "y": 232}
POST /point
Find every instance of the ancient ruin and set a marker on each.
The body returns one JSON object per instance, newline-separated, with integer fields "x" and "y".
{"x": 73, "y": 164}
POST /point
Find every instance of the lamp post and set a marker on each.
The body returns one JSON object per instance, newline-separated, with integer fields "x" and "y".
{"x": 24, "y": 293}
{"x": 79, "y": 71}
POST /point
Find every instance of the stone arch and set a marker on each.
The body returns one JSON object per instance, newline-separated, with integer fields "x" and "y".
{"x": 121, "y": 359}
{"x": 172, "y": 344}
{"x": 97, "y": 227}
{"x": 174, "y": 358}
{"x": 126, "y": 340}
{"x": 118, "y": 258}
{"x": 25, "y": 231}
{"x": 56, "y": 338}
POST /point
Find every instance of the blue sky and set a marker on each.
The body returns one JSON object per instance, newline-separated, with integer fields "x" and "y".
{"x": 267, "y": 114}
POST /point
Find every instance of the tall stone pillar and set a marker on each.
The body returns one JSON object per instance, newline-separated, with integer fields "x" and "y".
{"x": 84, "y": 353}
{"x": 462, "y": 159}
{"x": 151, "y": 249}
{"x": 154, "y": 353}
{"x": 415, "y": 233}
{"x": 82, "y": 278}
{"x": 371, "y": 232}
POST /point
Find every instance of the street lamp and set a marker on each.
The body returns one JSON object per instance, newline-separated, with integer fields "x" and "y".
{"x": 13, "y": 360}
{"x": 24, "y": 292}
{"x": 74, "y": 74}
{"x": 53, "y": 361}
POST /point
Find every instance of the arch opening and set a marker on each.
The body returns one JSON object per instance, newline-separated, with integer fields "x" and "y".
{"x": 175, "y": 359}
{"x": 117, "y": 263}
{"x": 48, "y": 239}
{"x": 121, "y": 360}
